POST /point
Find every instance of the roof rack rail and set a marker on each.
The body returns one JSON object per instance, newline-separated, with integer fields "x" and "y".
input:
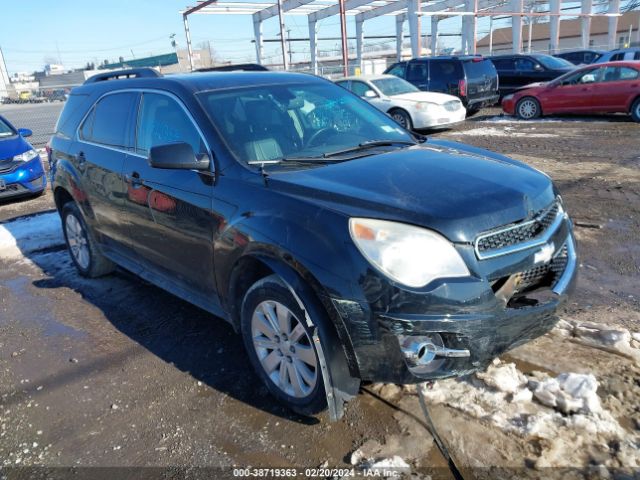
{"x": 124, "y": 74}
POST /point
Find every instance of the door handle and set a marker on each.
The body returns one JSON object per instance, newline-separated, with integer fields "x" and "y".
{"x": 133, "y": 178}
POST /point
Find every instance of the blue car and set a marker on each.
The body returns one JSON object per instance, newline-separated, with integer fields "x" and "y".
{"x": 21, "y": 168}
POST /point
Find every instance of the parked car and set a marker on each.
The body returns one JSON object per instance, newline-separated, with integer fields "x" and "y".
{"x": 517, "y": 71}
{"x": 57, "y": 96}
{"x": 472, "y": 79}
{"x": 598, "y": 88}
{"x": 621, "y": 54}
{"x": 21, "y": 169}
{"x": 581, "y": 57}
{"x": 405, "y": 103}
{"x": 341, "y": 246}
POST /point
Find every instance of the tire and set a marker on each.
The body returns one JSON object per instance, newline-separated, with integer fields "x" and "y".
{"x": 528, "y": 108}
{"x": 83, "y": 249}
{"x": 290, "y": 369}
{"x": 402, "y": 117}
{"x": 635, "y": 110}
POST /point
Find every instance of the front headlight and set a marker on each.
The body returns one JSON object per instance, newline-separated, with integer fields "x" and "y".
{"x": 26, "y": 156}
{"x": 426, "y": 105}
{"x": 410, "y": 255}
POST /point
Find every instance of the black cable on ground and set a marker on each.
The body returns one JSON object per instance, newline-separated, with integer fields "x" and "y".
{"x": 432, "y": 430}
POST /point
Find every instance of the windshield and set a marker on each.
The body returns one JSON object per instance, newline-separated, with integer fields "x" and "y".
{"x": 394, "y": 86}
{"x": 5, "y": 129}
{"x": 554, "y": 62}
{"x": 272, "y": 122}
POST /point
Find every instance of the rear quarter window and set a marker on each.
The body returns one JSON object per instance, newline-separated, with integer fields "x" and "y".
{"x": 72, "y": 113}
{"x": 445, "y": 70}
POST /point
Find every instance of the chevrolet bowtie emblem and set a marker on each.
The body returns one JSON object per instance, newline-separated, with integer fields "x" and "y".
{"x": 545, "y": 254}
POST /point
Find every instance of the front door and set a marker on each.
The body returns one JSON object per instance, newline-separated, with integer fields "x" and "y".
{"x": 168, "y": 210}
{"x": 574, "y": 94}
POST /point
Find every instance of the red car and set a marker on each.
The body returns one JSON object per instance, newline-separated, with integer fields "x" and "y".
{"x": 612, "y": 87}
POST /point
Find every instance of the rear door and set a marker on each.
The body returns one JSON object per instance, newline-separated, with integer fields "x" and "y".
{"x": 104, "y": 142}
{"x": 168, "y": 211}
{"x": 507, "y": 74}
{"x": 618, "y": 87}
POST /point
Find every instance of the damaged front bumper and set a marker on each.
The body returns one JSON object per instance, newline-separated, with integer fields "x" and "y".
{"x": 460, "y": 326}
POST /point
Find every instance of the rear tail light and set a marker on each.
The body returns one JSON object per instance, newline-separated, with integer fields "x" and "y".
{"x": 462, "y": 88}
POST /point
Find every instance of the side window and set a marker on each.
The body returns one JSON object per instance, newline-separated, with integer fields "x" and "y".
{"x": 616, "y": 57}
{"x": 443, "y": 71}
{"x": 344, "y": 84}
{"x": 359, "y": 88}
{"x": 503, "y": 64}
{"x": 627, "y": 73}
{"x": 162, "y": 121}
{"x": 525, "y": 65}
{"x": 397, "y": 70}
{"x": 109, "y": 123}
{"x": 637, "y": 56}
{"x": 417, "y": 72}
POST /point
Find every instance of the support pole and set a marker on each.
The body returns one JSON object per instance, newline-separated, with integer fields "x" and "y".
{"x": 434, "y": 35}
{"x": 585, "y": 22}
{"x": 554, "y": 26}
{"x": 313, "y": 45}
{"x": 516, "y": 25}
{"x": 283, "y": 40}
{"x": 490, "y": 36}
{"x": 257, "y": 32}
{"x": 359, "y": 42}
{"x": 343, "y": 34}
{"x": 187, "y": 34}
{"x": 530, "y": 32}
{"x": 414, "y": 27}
{"x": 399, "y": 28}
{"x": 614, "y": 7}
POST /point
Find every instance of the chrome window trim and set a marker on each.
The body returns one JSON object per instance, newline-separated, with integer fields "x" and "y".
{"x": 133, "y": 152}
{"x": 536, "y": 242}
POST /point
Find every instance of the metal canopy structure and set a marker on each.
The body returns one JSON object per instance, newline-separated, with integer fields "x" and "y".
{"x": 402, "y": 10}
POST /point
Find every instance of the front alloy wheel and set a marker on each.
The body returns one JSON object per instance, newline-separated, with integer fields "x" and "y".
{"x": 284, "y": 348}
{"x": 528, "y": 108}
{"x": 280, "y": 345}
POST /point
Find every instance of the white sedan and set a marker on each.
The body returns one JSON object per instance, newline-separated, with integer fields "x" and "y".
{"x": 410, "y": 107}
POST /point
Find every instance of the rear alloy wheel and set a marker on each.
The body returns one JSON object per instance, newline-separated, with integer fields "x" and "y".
{"x": 83, "y": 249}
{"x": 635, "y": 111}
{"x": 528, "y": 108}
{"x": 280, "y": 346}
{"x": 403, "y": 118}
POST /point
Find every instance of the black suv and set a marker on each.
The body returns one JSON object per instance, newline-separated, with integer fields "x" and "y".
{"x": 517, "y": 71}
{"x": 581, "y": 57}
{"x": 340, "y": 245}
{"x": 472, "y": 79}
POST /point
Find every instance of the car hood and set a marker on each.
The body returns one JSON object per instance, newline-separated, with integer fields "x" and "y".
{"x": 433, "y": 97}
{"x": 11, "y": 146}
{"x": 455, "y": 189}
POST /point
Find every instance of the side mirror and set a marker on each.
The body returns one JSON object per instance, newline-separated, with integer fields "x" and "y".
{"x": 24, "y": 132}
{"x": 588, "y": 78}
{"x": 538, "y": 68}
{"x": 176, "y": 156}
{"x": 370, "y": 94}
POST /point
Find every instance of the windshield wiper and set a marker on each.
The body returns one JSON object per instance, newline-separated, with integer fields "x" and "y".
{"x": 369, "y": 144}
{"x": 277, "y": 161}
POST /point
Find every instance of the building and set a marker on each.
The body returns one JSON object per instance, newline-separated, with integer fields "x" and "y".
{"x": 174, "y": 62}
{"x": 627, "y": 33}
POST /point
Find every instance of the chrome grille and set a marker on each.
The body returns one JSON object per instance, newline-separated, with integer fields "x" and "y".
{"x": 517, "y": 233}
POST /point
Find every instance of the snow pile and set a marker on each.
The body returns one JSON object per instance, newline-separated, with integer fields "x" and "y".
{"x": 30, "y": 234}
{"x": 505, "y": 132}
{"x": 612, "y": 339}
{"x": 563, "y": 413}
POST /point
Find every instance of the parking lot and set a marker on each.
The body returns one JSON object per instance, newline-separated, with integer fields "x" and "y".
{"x": 114, "y": 371}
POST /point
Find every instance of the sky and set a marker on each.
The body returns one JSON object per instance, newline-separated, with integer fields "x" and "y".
{"x": 75, "y": 32}
{"x": 35, "y": 32}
